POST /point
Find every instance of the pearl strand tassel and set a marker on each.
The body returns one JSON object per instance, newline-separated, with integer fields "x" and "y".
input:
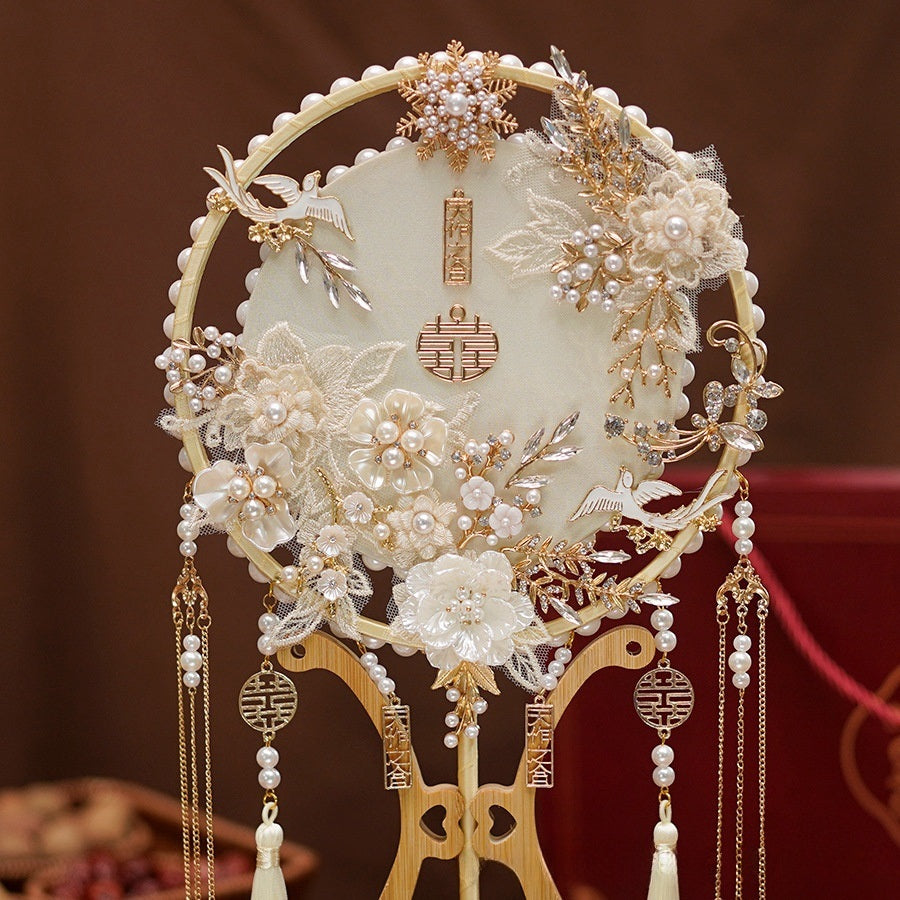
{"x": 664, "y": 871}
{"x": 268, "y": 879}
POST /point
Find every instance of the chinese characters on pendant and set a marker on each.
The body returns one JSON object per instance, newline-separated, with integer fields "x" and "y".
{"x": 458, "y": 239}
{"x": 539, "y": 745}
{"x": 397, "y": 747}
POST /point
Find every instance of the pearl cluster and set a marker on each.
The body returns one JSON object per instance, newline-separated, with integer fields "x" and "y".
{"x": 740, "y": 661}
{"x": 191, "y": 661}
{"x": 661, "y": 620}
{"x": 188, "y": 529}
{"x": 743, "y": 527}
{"x": 378, "y": 673}
{"x": 452, "y": 719}
{"x": 203, "y": 372}
{"x": 267, "y": 758}
{"x": 662, "y": 756}
{"x": 267, "y": 623}
{"x": 580, "y": 282}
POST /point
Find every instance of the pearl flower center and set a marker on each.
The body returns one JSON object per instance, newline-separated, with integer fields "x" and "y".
{"x": 676, "y": 228}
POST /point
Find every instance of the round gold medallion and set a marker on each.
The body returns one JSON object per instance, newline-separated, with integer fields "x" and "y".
{"x": 664, "y": 698}
{"x": 268, "y": 701}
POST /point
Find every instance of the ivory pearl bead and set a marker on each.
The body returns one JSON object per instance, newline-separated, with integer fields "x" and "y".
{"x": 542, "y": 68}
{"x": 453, "y": 694}
{"x": 375, "y": 565}
{"x": 682, "y": 406}
{"x": 664, "y": 135}
{"x": 381, "y": 531}
{"x": 492, "y": 540}
{"x": 759, "y": 318}
{"x": 183, "y": 459}
{"x": 665, "y": 641}
{"x": 340, "y": 83}
{"x": 739, "y": 661}
{"x": 266, "y": 645}
{"x": 222, "y": 374}
{"x": 387, "y": 432}
{"x": 191, "y": 661}
{"x": 267, "y": 757}
{"x": 616, "y": 613}
{"x": 183, "y": 258}
{"x": 687, "y": 372}
{"x": 549, "y": 682}
{"x": 450, "y": 739}
{"x": 403, "y": 650}
{"x": 533, "y": 497}
{"x": 335, "y": 172}
{"x": 636, "y": 113}
{"x": 743, "y": 547}
{"x": 196, "y": 226}
{"x": 661, "y": 619}
{"x": 472, "y": 731}
{"x": 365, "y": 156}
{"x": 662, "y": 755}
{"x": 281, "y": 120}
{"x": 234, "y": 549}
{"x": 743, "y": 642}
{"x": 309, "y": 100}
{"x": 393, "y": 458}
{"x": 373, "y": 643}
{"x": 743, "y": 507}
{"x": 258, "y": 576}
{"x": 267, "y": 622}
{"x": 377, "y": 672}
{"x": 407, "y": 62}
{"x": 264, "y": 486}
{"x": 464, "y": 523}
{"x": 373, "y": 72}
{"x": 386, "y": 686}
{"x": 613, "y": 263}
{"x": 740, "y": 680}
{"x": 556, "y": 668}
{"x": 743, "y": 527}
{"x": 509, "y": 60}
{"x": 663, "y": 776}
{"x": 368, "y": 659}
{"x": 187, "y": 531}
{"x": 250, "y": 279}
{"x": 256, "y": 142}
{"x": 607, "y": 94}
{"x": 174, "y": 288}
{"x": 252, "y": 510}
{"x": 556, "y": 292}
{"x": 397, "y": 142}
{"x": 583, "y": 271}
{"x": 169, "y": 325}
{"x": 269, "y": 779}
{"x": 191, "y": 642}
{"x": 572, "y": 296}
{"x": 480, "y": 706}
{"x": 423, "y": 523}
{"x": 752, "y": 283}
{"x": 187, "y": 548}
{"x": 451, "y": 720}
{"x": 563, "y": 654}
{"x": 676, "y": 227}
{"x": 672, "y": 569}
{"x": 290, "y": 574}
{"x": 589, "y": 628}
{"x": 315, "y": 564}
{"x": 695, "y": 543}
{"x": 191, "y": 679}
{"x": 412, "y": 440}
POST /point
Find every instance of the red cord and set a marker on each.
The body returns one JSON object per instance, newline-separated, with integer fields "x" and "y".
{"x": 803, "y": 640}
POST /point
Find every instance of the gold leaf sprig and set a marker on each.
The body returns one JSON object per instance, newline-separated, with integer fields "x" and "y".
{"x": 470, "y": 679}
{"x": 221, "y": 351}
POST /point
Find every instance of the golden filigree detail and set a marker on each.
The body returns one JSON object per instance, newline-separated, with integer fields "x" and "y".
{"x": 473, "y": 90}
{"x": 277, "y": 235}
{"x": 539, "y": 745}
{"x": 458, "y": 239}
{"x": 470, "y": 679}
{"x": 218, "y": 201}
{"x": 397, "y": 747}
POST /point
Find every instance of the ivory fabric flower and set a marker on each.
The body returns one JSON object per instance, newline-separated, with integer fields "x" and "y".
{"x": 506, "y": 520}
{"x": 477, "y": 493}
{"x": 402, "y": 442}
{"x": 463, "y": 609}
{"x": 420, "y": 528}
{"x": 252, "y": 492}
{"x": 358, "y": 508}
{"x": 684, "y": 229}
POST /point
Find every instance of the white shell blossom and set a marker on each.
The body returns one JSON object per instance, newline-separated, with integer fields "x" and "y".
{"x": 332, "y": 540}
{"x": 685, "y": 229}
{"x": 402, "y": 442}
{"x": 477, "y": 493}
{"x": 463, "y": 609}
{"x": 332, "y": 585}
{"x": 252, "y": 492}
{"x": 358, "y": 508}
{"x": 506, "y": 520}
{"x": 420, "y": 528}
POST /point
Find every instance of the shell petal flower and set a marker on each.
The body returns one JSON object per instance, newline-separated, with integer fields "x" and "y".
{"x": 477, "y": 493}
{"x": 332, "y": 541}
{"x": 463, "y": 609}
{"x": 358, "y": 508}
{"x": 506, "y": 520}
{"x": 402, "y": 443}
{"x": 252, "y": 493}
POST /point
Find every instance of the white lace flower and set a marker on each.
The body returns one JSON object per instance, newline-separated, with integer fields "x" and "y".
{"x": 332, "y": 585}
{"x": 332, "y": 540}
{"x": 683, "y": 228}
{"x": 506, "y": 520}
{"x": 402, "y": 442}
{"x": 358, "y": 508}
{"x": 463, "y": 609}
{"x": 421, "y": 528}
{"x": 477, "y": 493}
{"x": 252, "y": 492}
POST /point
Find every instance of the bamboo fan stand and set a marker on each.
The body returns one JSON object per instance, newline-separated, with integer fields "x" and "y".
{"x": 467, "y": 804}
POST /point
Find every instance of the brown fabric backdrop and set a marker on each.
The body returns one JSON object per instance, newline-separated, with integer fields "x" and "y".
{"x": 112, "y": 109}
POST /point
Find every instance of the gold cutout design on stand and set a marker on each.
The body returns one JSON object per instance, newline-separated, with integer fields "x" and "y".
{"x": 268, "y": 701}
{"x": 664, "y": 698}
{"x": 397, "y": 747}
{"x": 457, "y": 350}
{"x": 539, "y": 745}
{"x": 458, "y": 239}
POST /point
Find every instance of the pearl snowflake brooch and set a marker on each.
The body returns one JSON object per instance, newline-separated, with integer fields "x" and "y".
{"x": 457, "y": 105}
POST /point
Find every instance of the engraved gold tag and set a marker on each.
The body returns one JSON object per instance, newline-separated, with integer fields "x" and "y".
{"x": 397, "y": 747}
{"x": 458, "y": 239}
{"x": 539, "y": 745}
{"x": 456, "y": 350}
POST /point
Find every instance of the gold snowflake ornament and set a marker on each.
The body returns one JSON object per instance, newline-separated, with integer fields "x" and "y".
{"x": 457, "y": 105}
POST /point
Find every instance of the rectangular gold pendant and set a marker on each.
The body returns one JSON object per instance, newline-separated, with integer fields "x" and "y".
{"x": 458, "y": 239}
{"x": 397, "y": 747}
{"x": 539, "y": 745}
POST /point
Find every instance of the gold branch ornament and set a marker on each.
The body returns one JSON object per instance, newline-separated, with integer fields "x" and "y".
{"x": 457, "y": 105}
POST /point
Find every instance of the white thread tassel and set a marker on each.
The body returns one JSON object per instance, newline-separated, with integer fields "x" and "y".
{"x": 664, "y": 871}
{"x": 268, "y": 879}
